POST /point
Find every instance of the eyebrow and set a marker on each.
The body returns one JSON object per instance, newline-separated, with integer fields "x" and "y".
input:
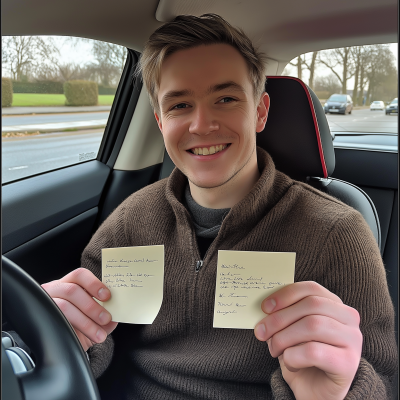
{"x": 173, "y": 94}
{"x": 225, "y": 85}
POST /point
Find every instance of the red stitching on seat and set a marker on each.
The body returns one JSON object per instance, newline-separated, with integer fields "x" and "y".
{"x": 318, "y": 134}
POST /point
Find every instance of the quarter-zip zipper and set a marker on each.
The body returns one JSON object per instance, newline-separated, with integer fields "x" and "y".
{"x": 199, "y": 264}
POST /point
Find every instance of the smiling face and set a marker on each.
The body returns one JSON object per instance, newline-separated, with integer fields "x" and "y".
{"x": 209, "y": 117}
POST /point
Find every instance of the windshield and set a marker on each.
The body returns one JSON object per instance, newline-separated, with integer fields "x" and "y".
{"x": 337, "y": 98}
{"x": 394, "y": 101}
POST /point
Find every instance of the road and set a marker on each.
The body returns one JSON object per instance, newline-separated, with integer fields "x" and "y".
{"x": 363, "y": 121}
{"x": 29, "y": 155}
{"x": 23, "y": 157}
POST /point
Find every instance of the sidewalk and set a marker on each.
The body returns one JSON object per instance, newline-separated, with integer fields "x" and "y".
{"x": 51, "y": 110}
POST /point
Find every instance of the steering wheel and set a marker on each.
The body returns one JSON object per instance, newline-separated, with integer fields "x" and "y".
{"x": 62, "y": 371}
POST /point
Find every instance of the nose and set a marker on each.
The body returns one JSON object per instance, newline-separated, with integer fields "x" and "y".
{"x": 203, "y": 121}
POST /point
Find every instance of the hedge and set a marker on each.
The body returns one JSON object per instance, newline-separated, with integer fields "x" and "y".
{"x": 6, "y": 92}
{"x": 47, "y": 87}
{"x": 81, "y": 93}
{"x": 107, "y": 90}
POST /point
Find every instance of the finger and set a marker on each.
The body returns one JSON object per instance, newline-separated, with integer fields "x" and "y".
{"x": 81, "y": 322}
{"x": 311, "y": 305}
{"x": 110, "y": 327}
{"x": 318, "y": 329}
{"x": 86, "y": 342}
{"x": 293, "y": 293}
{"x": 330, "y": 359}
{"x": 77, "y": 296}
{"x": 87, "y": 280}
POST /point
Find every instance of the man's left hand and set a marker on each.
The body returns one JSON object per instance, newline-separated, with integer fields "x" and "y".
{"x": 316, "y": 338}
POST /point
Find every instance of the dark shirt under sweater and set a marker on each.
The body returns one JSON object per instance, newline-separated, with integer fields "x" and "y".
{"x": 206, "y": 221}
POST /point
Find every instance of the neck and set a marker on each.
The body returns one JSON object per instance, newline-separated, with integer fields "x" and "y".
{"x": 231, "y": 192}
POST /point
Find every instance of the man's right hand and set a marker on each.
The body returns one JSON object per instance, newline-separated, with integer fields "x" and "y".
{"x": 74, "y": 296}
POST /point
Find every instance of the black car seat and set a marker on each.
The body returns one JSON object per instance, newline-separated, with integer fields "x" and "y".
{"x": 298, "y": 138}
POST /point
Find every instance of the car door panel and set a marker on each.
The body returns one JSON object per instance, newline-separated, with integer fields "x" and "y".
{"x": 33, "y": 206}
{"x": 376, "y": 173}
{"x": 366, "y": 168}
{"x": 56, "y": 252}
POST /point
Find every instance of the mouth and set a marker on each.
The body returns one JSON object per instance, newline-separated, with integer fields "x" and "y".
{"x": 208, "y": 150}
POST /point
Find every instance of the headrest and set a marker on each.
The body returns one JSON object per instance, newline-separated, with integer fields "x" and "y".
{"x": 297, "y": 134}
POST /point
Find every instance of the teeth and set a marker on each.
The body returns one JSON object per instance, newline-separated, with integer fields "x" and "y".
{"x": 204, "y": 151}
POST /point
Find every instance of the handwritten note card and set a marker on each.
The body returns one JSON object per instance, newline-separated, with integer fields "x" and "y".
{"x": 244, "y": 280}
{"x": 135, "y": 277}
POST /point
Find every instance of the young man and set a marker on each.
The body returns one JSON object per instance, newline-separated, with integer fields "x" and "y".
{"x": 206, "y": 85}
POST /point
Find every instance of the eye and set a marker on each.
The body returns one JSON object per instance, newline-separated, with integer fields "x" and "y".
{"x": 179, "y": 106}
{"x": 227, "y": 100}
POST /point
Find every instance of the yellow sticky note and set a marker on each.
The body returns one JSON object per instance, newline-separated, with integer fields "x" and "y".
{"x": 244, "y": 280}
{"x": 135, "y": 277}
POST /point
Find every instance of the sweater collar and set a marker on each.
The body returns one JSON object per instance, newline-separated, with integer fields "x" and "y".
{"x": 242, "y": 217}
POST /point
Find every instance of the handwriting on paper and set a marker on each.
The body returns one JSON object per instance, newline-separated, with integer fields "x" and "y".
{"x": 244, "y": 280}
{"x": 135, "y": 277}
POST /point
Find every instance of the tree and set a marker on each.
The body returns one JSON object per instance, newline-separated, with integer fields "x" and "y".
{"x": 311, "y": 65}
{"x": 110, "y": 61}
{"x": 381, "y": 72}
{"x": 18, "y": 51}
{"x": 329, "y": 84}
{"x": 299, "y": 65}
{"x": 339, "y": 59}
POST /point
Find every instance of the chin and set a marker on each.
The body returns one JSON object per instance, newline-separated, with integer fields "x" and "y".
{"x": 209, "y": 183}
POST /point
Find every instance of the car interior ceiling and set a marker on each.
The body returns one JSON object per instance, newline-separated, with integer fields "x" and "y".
{"x": 56, "y": 213}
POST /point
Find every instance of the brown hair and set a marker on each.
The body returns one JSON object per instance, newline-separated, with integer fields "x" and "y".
{"x": 187, "y": 31}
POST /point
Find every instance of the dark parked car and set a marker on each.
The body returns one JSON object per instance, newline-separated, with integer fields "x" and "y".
{"x": 339, "y": 104}
{"x": 392, "y": 108}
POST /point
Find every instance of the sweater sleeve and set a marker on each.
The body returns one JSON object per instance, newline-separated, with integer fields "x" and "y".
{"x": 110, "y": 234}
{"x": 352, "y": 268}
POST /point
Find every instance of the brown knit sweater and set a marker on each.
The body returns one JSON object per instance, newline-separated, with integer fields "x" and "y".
{"x": 181, "y": 355}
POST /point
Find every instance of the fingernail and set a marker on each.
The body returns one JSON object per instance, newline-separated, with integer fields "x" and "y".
{"x": 103, "y": 293}
{"x": 269, "y": 344}
{"x": 105, "y": 317}
{"x": 260, "y": 332}
{"x": 101, "y": 335}
{"x": 269, "y": 305}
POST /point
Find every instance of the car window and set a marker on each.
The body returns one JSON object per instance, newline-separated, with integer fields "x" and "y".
{"x": 337, "y": 98}
{"x": 366, "y": 74}
{"x": 57, "y": 94}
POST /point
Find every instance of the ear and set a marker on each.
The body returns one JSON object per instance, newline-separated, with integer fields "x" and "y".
{"x": 158, "y": 119}
{"x": 262, "y": 112}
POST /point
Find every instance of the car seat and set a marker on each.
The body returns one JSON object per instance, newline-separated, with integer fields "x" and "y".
{"x": 298, "y": 138}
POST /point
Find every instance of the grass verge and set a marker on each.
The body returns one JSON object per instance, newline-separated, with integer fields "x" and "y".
{"x": 50, "y": 100}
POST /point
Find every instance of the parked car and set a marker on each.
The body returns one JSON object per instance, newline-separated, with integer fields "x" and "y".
{"x": 392, "y": 108}
{"x": 49, "y": 216}
{"x": 377, "y": 105}
{"x": 339, "y": 104}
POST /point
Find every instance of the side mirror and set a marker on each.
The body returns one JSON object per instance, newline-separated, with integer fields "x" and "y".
{"x": 333, "y": 136}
